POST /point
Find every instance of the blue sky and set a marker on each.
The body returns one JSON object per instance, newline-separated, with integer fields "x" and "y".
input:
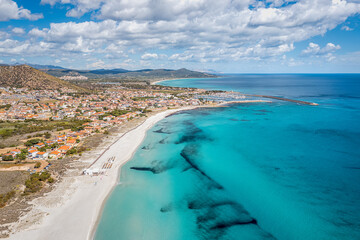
{"x": 233, "y": 36}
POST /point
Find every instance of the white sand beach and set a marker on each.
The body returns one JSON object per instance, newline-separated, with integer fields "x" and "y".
{"x": 72, "y": 209}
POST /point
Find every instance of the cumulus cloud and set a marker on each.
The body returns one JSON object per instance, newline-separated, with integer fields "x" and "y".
{"x": 326, "y": 52}
{"x": 197, "y": 30}
{"x": 10, "y": 10}
{"x": 97, "y": 64}
{"x": 315, "y": 49}
{"x": 18, "y": 30}
{"x": 148, "y": 56}
{"x": 4, "y": 35}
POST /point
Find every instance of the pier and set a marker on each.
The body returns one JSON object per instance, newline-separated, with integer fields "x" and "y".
{"x": 284, "y": 99}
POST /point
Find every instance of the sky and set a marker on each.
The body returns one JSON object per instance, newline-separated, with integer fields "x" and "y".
{"x": 228, "y": 36}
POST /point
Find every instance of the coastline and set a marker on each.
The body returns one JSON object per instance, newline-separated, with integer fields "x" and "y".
{"x": 170, "y": 79}
{"x": 73, "y": 209}
{"x": 158, "y": 81}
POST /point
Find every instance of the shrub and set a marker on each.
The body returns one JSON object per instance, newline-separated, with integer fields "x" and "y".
{"x": 47, "y": 135}
{"x": 44, "y": 176}
{"x": 37, "y": 165}
{"x": 32, "y": 142}
{"x": 4, "y": 198}
{"x": 71, "y": 151}
{"x": 7, "y": 158}
{"x": 22, "y": 156}
{"x": 34, "y": 183}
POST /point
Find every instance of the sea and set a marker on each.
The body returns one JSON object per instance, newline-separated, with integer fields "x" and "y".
{"x": 277, "y": 170}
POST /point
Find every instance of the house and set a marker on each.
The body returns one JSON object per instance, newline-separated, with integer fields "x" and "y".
{"x": 70, "y": 142}
{"x": 55, "y": 154}
{"x": 32, "y": 153}
{"x": 42, "y": 155}
{"x": 64, "y": 149}
{"x": 61, "y": 137}
{"x": 88, "y": 129}
{"x": 15, "y": 152}
{"x": 39, "y": 145}
{"x": 49, "y": 142}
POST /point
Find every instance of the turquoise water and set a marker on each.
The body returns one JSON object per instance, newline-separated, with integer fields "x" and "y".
{"x": 247, "y": 171}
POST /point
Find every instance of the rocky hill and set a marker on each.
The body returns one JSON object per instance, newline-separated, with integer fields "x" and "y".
{"x": 26, "y": 76}
{"x": 123, "y": 74}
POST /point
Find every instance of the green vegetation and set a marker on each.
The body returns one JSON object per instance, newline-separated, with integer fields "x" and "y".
{"x": 23, "y": 155}
{"x": 7, "y": 158}
{"x": 37, "y": 165}
{"x": 71, "y": 151}
{"x": 35, "y": 182}
{"x": 6, "y": 106}
{"x": 5, "y": 132}
{"x": 118, "y": 112}
{"x": 141, "y": 98}
{"x": 8, "y": 129}
{"x": 47, "y": 135}
{"x": 32, "y": 142}
{"x": 4, "y": 198}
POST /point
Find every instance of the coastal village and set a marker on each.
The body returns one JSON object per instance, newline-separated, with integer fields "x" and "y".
{"x": 92, "y": 113}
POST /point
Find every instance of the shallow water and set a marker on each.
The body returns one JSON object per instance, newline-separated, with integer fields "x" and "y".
{"x": 248, "y": 171}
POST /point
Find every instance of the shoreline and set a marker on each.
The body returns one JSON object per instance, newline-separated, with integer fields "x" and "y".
{"x": 83, "y": 197}
{"x": 170, "y": 79}
{"x": 158, "y": 81}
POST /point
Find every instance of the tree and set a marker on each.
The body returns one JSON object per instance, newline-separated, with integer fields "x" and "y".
{"x": 24, "y": 150}
{"x": 22, "y": 156}
{"x": 32, "y": 142}
{"x": 7, "y": 158}
{"x": 47, "y": 135}
{"x": 54, "y": 145}
{"x": 43, "y": 149}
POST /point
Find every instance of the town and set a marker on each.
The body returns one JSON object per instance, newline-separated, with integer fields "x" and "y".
{"x": 85, "y": 114}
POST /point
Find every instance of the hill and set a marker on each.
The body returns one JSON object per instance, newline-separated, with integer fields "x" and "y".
{"x": 123, "y": 74}
{"x": 26, "y": 76}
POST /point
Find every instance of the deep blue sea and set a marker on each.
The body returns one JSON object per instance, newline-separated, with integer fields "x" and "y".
{"x": 275, "y": 170}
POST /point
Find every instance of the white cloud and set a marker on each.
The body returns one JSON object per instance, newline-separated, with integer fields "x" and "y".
{"x": 53, "y": 2}
{"x": 148, "y": 56}
{"x": 10, "y": 10}
{"x": 346, "y": 28}
{"x": 197, "y": 30}
{"x": 4, "y": 35}
{"x": 18, "y": 30}
{"x": 315, "y": 49}
{"x": 97, "y": 64}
